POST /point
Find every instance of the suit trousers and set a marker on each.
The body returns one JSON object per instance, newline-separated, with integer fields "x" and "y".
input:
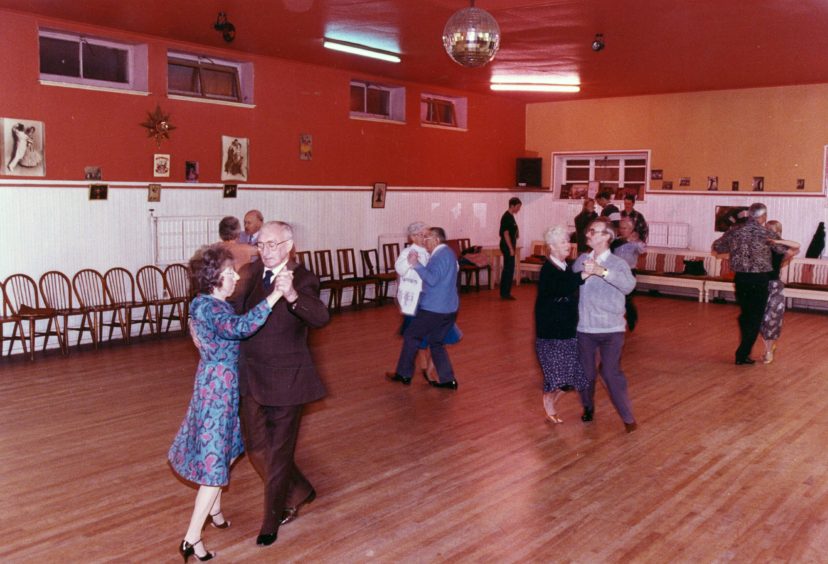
{"x": 507, "y": 275}
{"x": 433, "y": 327}
{"x": 752, "y": 296}
{"x": 270, "y": 441}
{"x": 610, "y": 346}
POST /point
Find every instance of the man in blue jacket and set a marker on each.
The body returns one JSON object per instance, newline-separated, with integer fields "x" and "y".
{"x": 436, "y": 311}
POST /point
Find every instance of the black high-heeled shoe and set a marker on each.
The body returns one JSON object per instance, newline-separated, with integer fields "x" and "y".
{"x": 224, "y": 524}
{"x": 186, "y": 549}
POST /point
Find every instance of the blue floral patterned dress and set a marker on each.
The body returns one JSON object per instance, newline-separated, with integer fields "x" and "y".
{"x": 210, "y": 435}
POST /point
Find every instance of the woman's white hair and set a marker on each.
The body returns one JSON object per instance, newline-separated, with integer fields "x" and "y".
{"x": 556, "y": 234}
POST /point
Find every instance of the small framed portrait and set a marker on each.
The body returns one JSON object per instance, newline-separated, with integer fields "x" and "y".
{"x": 230, "y": 190}
{"x": 235, "y": 158}
{"x": 758, "y": 183}
{"x": 712, "y": 183}
{"x": 667, "y": 185}
{"x": 306, "y": 147}
{"x": 800, "y": 183}
{"x": 378, "y": 195}
{"x": 684, "y": 181}
{"x": 154, "y": 193}
{"x": 656, "y": 174}
{"x": 161, "y": 165}
{"x": 98, "y": 191}
{"x": 92, "y": 173}
{"x": 23, "y": 147}
{"x": 734, "y": 186}
{"x": 728, "y": 216}
{"x": 191, "y": 171}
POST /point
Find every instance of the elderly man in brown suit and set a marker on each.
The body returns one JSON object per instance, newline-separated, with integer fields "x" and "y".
{"x": 277, "y": 375}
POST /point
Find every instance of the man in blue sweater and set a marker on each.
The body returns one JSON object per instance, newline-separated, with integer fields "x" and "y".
{"x": 607, "y": 279}
{"x": 436, "y": 311}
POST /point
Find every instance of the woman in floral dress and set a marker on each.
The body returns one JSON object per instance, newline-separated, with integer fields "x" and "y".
{"x": 209, "y": 438}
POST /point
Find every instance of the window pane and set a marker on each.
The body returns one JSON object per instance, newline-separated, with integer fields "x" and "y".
{"x": 377, "y": 102}
{"x": 577, "y": 162}
{"x": 58, "y": 56}
{"x": 357, "y": 98}
{"x": 633, "y": 174}
{"x": 182, "y": 78}
{"x": 219, "y": 83}
{"x": 606, "y": 173}
{"x": 104, "y": 63}
{"x": 577, "y": 174}
{"x": 636, "y": 162}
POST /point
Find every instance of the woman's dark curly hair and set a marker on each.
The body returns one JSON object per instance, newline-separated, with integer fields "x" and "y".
{"x": 206, "y": 267}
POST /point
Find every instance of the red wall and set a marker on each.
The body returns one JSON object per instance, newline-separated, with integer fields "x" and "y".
{"x": 85, "y": 127}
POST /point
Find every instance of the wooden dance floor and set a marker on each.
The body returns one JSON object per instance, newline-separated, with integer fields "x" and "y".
{"x": 729, "y": 462}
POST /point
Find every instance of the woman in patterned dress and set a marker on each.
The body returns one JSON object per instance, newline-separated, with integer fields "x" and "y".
{"x": 556, "y": 318}
{"x": 209, "y": 438}
{"x": 772, "y": 321}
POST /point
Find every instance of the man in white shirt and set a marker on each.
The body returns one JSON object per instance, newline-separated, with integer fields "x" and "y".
{"x": 253, "y": 221}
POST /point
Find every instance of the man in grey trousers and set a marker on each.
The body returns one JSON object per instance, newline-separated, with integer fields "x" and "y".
{"x": 601, "y": 325}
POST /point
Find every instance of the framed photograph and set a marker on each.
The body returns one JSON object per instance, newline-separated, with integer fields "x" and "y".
{"x": 92, "y": 173}
{"x": 800, "y": 183}
{"x": 734, "y": 186}
{"x": 23, "y": 147}
{"x": 592, "y": 191}
{"x": 684, "y": 181}
{"x": 712, "y": 183}
{"x": 667, "y": 185}
{"x": 230, "y": 190}
{"x": 578, "y": 191}
{"x": 306, "y": 147}
{"x": 235, "y": 159}
{"x": 98, "y": 191}
{"x": 161, "y": 165}
{"x": 758, "y": 183}
{"x": 728, "y": 216}
{"x": 656, "y": 174}
{"x": 154, "y": 193}
{"x": 191, "y": 171}
{"x": 378, "y": 195}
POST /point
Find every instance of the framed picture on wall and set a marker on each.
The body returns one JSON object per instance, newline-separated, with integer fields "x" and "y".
{"x": 230, "y": 190}
{"x": 378, "y": 195}
{"x": 235, "y": 158}
{"x": 728, "y": 216}
{"x": 154, "y": 193}
{"x": 98, "y": 191}
{"x": 23, "y": 147}
{"x": 161, "y": 165}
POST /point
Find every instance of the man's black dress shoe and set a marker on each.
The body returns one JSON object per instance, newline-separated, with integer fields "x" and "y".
{"x": 394, "y": 377}
{"x": 630, "y": 427}
{"x": 587, "y": 415}
{"x": 746, "y": 360}
{"x": 291, "y": 513}
{"x": 266, "y": 540}
{"x": 451, "y": 384}
{"x": 510, "y": 298}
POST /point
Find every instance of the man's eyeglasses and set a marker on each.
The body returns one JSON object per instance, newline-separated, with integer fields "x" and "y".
{"x": 596, "y": 231}
{"x": 270, "y": 245}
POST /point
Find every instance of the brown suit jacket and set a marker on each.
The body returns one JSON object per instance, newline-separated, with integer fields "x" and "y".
{"x": 275, "y": 364}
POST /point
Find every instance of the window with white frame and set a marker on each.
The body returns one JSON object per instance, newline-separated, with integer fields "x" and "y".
{"x": 444, "y": 111}
{"x": 75, "y": 59}
{"x": 209, "y": 78}
{"x": 377, "y": 101}
{"x": 577, "y": 175}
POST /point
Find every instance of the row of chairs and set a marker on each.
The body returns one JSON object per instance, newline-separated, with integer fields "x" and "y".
{"x": 96, "y": 301}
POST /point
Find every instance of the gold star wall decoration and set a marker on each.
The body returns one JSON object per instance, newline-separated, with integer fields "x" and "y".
{"x": 158, "y": 125}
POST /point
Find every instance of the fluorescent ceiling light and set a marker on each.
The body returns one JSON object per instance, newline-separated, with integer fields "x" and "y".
{"x": 570, "y": 80}
{"x": 535, "y": 88}
{"x": 360, "y": 50}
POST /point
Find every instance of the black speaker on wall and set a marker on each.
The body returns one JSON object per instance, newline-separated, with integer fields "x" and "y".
{"x": 528, "y": 172}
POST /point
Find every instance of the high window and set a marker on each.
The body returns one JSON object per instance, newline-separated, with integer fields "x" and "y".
{"x": 377, "y": 101}
{"x": 208, "y": 78}
{"x": 71, "y": 58}
{"x": 444, "y": 111}
{"x": 621, "y": 173}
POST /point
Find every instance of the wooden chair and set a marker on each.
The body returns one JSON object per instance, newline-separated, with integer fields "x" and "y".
{"x": 56, "y": 289}
{"x": 349, "y": 277}
{"x": 390, "y": 252}
{"x": 323, "y": 268}
{"x": 370, "y": 268}
{"x": 467, "y": 272}
{"x": 305, "y": 258}
{"x": 532, "y": 262}
{"x": 120, "y": 287}
{"x": 155, "y": 294}
{"x": 24, "y": 301}
{"x": 177, "y": 279}
{"x": 6, "y": 316}
{"x": 91, "y": 292}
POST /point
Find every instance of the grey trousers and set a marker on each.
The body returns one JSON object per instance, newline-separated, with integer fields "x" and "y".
{"x": 610, "y": 346}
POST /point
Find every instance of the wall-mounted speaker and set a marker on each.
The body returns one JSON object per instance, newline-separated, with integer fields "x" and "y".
{"x": 528, "y": 172}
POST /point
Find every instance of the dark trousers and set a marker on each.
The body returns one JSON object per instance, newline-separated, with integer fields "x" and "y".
{"x": 507, "y": 274}
{"x": 270, "y": 442}
{"x": 610, "y": 346}
{"x": 433, "y": 327}
{"x": 752, "y": 296}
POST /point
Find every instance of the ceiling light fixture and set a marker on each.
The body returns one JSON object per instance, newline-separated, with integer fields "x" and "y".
{"x": 515, "y": 87}
{"x": 598, "y": 43}
{"x": 471, "y": 37}
{"x": 228, "y": 30}
{"x": 360, "y": 50}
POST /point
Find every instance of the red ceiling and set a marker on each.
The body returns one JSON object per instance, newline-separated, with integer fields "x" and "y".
{"x": 652, "y": 46}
